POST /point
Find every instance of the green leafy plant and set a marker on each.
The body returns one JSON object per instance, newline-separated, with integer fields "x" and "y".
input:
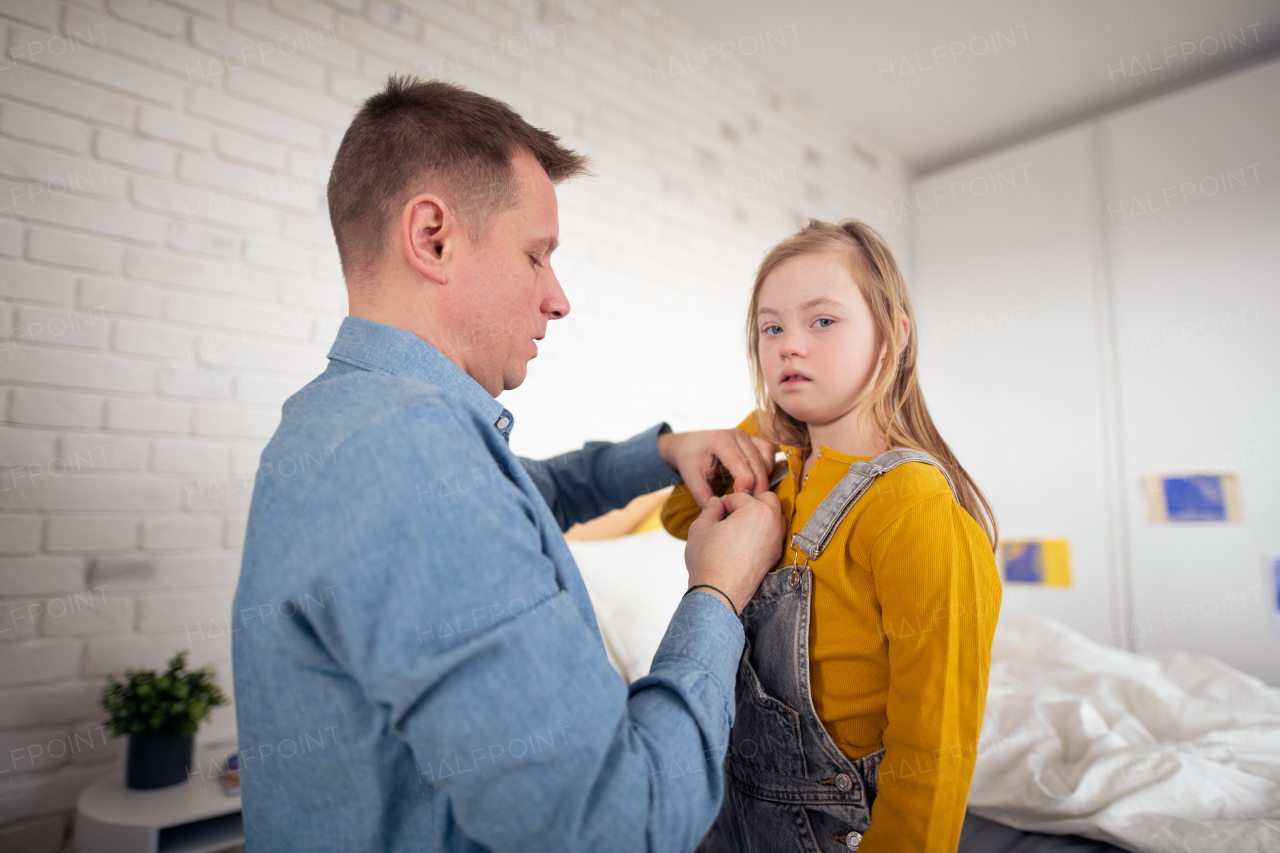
{"x": 175, "y": 702}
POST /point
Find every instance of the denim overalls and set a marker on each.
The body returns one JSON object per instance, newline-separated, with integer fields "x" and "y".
{"x": 787, "y": 785}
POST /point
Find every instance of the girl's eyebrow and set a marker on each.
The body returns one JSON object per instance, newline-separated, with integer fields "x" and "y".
{"x": 812, "y": 303}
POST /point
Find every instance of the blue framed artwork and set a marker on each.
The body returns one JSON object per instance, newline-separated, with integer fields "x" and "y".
{"x": 1193, "y": 498}
{"x": 1275, "y": 580}
{"x": 1273, "y": 575}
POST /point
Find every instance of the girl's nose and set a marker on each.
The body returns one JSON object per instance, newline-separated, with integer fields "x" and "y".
{"x": 791, "y": 345}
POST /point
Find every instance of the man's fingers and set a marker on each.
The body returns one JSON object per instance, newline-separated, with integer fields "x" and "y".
{"x": 760, "y": 467}
{"x": 758, "y": 456}
{"x": 743, "y": 463}
{"x": 735, "y": 501}
{"x": 739, "y": 500}
{"x": 747, "y": 459}
{"x": 772, "y": 500}
{"x": 713, "y": 510}
{"x": 767, "y": 450}
{"x": 696, "y": 480}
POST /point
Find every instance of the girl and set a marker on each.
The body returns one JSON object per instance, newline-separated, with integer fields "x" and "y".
{"x": 862, "y": 685}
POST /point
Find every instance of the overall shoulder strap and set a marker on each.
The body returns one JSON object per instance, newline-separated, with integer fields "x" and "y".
{"x": 821, "y": 526}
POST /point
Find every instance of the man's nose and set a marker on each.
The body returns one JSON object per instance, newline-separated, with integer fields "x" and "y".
{"x": 555, "y": 304}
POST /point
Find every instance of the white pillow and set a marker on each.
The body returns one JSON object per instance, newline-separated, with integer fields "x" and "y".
{"x": 635, "y": 583}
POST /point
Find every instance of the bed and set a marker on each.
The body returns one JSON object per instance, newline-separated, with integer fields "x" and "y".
{"x": 1084, "y": 747}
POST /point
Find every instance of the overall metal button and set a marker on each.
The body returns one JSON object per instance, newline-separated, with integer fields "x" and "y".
{"x": 852, "y": 840}
{"x": 794, "y": 578}
{"x": 843, "y": 782}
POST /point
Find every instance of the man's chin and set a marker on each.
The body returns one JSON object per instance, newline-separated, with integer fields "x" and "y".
{"x": 514, "y": 379}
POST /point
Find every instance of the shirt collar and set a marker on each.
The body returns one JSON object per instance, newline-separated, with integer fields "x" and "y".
{"x": 398, "y": 352}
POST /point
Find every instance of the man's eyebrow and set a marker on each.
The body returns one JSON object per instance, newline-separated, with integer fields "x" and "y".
{"x": 543, "y": 247}
{"x": 812, "y": 303}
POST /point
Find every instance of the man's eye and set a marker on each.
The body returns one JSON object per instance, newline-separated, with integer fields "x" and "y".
{"x": 535, "y": 260}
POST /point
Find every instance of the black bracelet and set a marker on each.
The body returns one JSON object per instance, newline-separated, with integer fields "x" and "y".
{"x": 721, "y": 591}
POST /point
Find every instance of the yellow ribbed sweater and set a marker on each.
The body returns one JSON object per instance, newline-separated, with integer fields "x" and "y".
{"x": 905, "y": 601}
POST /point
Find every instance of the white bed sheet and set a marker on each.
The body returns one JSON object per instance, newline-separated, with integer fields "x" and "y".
{"x": 635, "y": 583}
{"x": 1171, "y": 753}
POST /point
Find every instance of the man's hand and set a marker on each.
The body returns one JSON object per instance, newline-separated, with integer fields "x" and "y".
{"x": 699, "y": 455}
{"x": 734, "y": 542}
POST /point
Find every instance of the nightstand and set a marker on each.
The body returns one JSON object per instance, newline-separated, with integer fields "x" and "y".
{"x": 191, "y": 817}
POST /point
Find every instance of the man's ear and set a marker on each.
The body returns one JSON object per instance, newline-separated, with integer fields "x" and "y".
{"x": 429, "y": 231}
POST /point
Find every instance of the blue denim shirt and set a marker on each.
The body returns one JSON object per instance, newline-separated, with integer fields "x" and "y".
{"x": 417, "y": 665}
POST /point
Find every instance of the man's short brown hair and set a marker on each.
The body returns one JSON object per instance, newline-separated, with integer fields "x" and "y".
{"x": 430, "y": 136}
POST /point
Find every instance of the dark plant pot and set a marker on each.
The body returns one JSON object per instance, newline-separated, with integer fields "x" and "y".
{"x": 157, "y": 760}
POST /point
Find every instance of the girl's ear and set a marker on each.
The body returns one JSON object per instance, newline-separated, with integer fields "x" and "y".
{"x": 906, "y": 334}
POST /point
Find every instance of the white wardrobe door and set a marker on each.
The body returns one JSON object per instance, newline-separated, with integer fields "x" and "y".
{"x": 1192, "y": 213}
{"x": 1004, "y": 278}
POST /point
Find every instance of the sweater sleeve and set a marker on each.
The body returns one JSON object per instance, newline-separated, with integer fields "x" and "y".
{"x": 939, "y": 591}
{"x": 680, "y": 510}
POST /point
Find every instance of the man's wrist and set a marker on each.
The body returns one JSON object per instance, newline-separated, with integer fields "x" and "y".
{"x": 707, "y": 633}
{"x": 636, "y": 467}
{"x": 667, "y": 444}
{"x": 718, "y": 593}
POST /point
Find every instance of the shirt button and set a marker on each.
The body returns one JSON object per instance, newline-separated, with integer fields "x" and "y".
{"x": 503, "y": 422}
{"x": 852, "y": 840}
{"x": 843, "y": 782}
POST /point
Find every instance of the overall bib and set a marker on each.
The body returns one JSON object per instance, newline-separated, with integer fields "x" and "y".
{"x": 787, "y": 785}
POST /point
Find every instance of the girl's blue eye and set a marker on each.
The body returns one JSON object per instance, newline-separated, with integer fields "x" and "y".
{"x": 824, "y": 322}
{"x": 772, "y": 330}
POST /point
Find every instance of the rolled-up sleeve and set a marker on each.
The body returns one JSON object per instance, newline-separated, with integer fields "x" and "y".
{"x": 455, "y": 621}
{"x": 584, "y": 484}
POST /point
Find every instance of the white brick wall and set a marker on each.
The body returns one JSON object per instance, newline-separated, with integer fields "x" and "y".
{"x": 168, "y": 278}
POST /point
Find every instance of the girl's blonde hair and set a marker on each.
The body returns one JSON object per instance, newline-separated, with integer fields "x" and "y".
{"x": 896, "y": 405}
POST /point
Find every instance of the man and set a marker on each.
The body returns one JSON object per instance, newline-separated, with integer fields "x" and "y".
{"x": 417, "y": 666}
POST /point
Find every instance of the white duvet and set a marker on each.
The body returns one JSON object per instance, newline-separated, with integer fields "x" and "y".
{"x": 1168, "y": 752}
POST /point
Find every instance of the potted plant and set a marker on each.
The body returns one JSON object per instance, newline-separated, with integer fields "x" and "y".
{"x": 160, "y": 714}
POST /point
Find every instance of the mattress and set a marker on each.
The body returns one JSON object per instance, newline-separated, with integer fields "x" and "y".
{"x": 980, "y": 835}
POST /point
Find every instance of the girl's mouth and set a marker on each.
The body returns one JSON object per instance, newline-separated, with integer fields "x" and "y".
{"x": 793, "y": 378}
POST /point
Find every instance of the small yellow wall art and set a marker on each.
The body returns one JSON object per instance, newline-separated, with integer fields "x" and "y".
{"x": 1041, "y": 561}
